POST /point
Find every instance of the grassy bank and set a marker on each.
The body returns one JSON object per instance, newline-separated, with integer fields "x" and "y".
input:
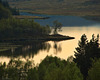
{"x": 29, "y": 17}
{"x": 62, "y": 12}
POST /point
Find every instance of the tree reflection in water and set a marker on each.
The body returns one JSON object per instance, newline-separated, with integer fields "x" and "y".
{"x": 26, "y": 50}
{"x": 57, "y": 47}
{"x": 29, "y": 50}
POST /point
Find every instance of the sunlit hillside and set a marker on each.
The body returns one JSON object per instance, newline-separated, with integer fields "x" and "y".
{"x": 66, "y": 7}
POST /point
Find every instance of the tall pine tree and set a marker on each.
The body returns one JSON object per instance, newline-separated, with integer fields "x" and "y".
{"x": 85, "y": 52}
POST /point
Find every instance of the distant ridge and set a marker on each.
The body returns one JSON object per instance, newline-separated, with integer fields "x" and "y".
{"x": 62, "y": 7}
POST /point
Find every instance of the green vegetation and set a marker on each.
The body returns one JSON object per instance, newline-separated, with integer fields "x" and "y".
{"x": 94, "y": 71}
{"x": 56, "y": 69}
{"x": 15, "y": 28}
{"x": 6, "y": 11}
{"x": 51, "y": 68}
{"x": 85, "y": 52}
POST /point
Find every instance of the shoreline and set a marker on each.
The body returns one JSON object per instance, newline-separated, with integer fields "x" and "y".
{"x": 66, "y": 13}
{"x": 29, "y": 17}
{"x": 44, "y": 38}
{"x": 86, "y": 16}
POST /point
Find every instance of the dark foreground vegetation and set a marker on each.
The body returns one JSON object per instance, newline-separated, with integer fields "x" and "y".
{"x": 84, "y": 66}
{"x": 85, "y": 53}
{"x": 49, "y": 69}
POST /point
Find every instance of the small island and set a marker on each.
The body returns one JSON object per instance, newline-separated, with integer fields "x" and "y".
{"x": 59, "y": 37}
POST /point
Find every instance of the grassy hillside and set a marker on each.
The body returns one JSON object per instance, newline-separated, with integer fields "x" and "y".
{"x": 65, "y": 7}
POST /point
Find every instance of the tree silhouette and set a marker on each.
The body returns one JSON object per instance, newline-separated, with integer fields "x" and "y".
{"x": 85, "y": 52}
{"x": 57, "y": 27}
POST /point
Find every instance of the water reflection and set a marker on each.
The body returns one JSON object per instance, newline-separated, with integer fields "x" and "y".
{"x": 26, "y": 50}
{"x": 29, "y": 50}
{"x": 37, "y": 51}
{"x": 57, "y": 47}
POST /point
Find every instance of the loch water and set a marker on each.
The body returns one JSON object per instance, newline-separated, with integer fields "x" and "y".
{"x": 72, "y": 26}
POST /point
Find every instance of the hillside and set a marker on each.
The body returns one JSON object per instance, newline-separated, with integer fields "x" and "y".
{"x": 6, "y": 11}
{"x": 65, "y": 7}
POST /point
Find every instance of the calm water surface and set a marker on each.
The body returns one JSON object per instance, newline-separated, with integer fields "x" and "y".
{"x": 67, "y": 48}
{"x": 67, "y": 21}
{"x": 62, "y": 49}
